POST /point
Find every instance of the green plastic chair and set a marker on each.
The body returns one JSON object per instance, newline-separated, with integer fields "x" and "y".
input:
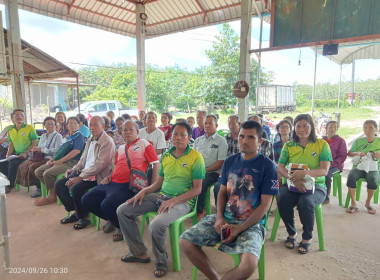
{"x": 17, "y": 188}
{"x": 337, "y": 186}
{"x": 175, "y": 230}
{"x": 44, "y": 191}
{"x": 236, "y": 257}
{"x": 358, "y": 191}
{"x": 223, "y": 132}
{"x": 318, "y": 218}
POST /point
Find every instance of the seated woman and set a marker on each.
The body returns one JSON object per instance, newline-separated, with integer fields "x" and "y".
{"x": 338, "y": 149}
{"x": 83, "y": 126}
{"x": 48, "y": 146}
{"x": 118, "y": 133}
{"x": 166, "y": 126}
{"x": 368, "y": 146}
{"x": 104, "y": 199}
{"x": 283, "y": 128}
{"x": 304, "y": 148}
{"x": 67, "y": 155}
{"x": 62, "y": 129}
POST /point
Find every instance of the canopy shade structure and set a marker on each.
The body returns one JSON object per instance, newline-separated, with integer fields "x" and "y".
{"x": 161, "y": 17}
{"x": 349, "y": 52}
{"x": 38, "y": 65}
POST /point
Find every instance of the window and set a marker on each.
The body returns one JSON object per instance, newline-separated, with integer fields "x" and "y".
{"x": 102, "y": 107}
{"x": 112, "y": 106}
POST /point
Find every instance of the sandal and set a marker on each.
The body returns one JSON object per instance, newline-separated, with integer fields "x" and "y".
{"x": 132, "y": 258}
{"x": 371, "y": 210}
{"x": 117, "y": 235}
{"x": 305, "y": 247}
{"x": 81, "y": 224}
{"x": 352, "y": 209}
{"x": 108, "y": 227}
{"x": 70, "y": 219}
{"x": 160, "y": 270}
{"x": 292, "y": 242}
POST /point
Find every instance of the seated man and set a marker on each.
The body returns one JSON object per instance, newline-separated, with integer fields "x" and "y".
{"x": 180, "y": 179}
{"x": 94, "y": 165}
{"x": 153, "y": 134}
{"x": 22, "y": 138}
{"x": 213, "y": 148}
{"x": 114, "y": 190}
{"x": 248, "y": 183}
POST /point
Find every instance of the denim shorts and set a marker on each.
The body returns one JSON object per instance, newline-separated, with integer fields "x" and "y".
{"x": 204, "y": 234}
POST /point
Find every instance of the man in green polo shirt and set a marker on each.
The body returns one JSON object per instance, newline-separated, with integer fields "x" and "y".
{"x": 171, "y": 195}
{"x": 22, "y": 138}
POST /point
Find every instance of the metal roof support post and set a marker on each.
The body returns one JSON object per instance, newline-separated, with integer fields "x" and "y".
{"x": 15, "y": 54}
{"x": 258, "y": 58}
{"x": 353, "y": 83}
{"x": 340, "y": 87}
{"x": 245, "y": 46}
{"x": 140, "y": 49}
{"x": 315, "y": 78}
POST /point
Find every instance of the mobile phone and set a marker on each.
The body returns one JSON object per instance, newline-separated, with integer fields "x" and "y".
{"x": 224, "y": 233}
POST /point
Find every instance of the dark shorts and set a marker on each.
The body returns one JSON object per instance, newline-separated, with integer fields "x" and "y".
{"x": 203, "y": 234}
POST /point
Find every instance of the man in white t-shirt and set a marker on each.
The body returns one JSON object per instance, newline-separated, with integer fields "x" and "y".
{"x": 153, "y": 134}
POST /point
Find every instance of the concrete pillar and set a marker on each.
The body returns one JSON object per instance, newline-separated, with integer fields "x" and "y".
{"x": 140, "y": 49}
{"x": 245, "y": 46}
{"x": 15, "y": 54}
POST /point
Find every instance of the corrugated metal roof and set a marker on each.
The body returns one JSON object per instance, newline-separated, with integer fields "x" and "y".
{"x": 163, "y": 16}
{"x": 38, "y": 64}
{"x": 348, "y": 52}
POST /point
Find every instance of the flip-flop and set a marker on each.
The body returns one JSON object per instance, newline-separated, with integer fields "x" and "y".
{"x": 117, "y": 235}
{"x": 305, "y": 246}
{"x": 160, "y": 267}
{"x": 352, "y": 209}
{"x": 130, "y": 259}
{"x": 371, "y": 210}
{"x": 292, "y": 242}
{"x": 81, "y": 224}
{"x": 70, "y": 219}
{"x": 108, "y": 227}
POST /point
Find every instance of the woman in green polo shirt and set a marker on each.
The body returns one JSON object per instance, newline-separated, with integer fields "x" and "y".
{"x": 304, "y": 148}
{"x": 366, "y": 147}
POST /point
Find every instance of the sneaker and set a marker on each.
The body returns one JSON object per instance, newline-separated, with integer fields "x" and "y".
{"x": 37, "y": 193}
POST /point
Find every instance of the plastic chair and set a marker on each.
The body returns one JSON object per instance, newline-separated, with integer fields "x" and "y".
{"x": 17, "y": 188}
{"x": 44, "y": 191}
{"x": 175, "y": 230}
{"x": 223, "y": 132}
{"x": 236, "y": 257}
{"x": 358, "y": 191}
{"x": 318, "y": 218}
{"x": 337, "y": 186}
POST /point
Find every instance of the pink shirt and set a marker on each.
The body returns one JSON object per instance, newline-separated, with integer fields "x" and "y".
{"x": 141, "y": 153}
{"x": 338, "y": 149}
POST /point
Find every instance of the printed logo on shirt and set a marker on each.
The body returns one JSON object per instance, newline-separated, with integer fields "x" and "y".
{"x": 23, "y": 134}
{"x": 255, "y": 170}
{"x": 136, "y": 148}
{"x": 314, "y": 154}
{"x": 275, "y": 184}
{"x": 184, "y": 165}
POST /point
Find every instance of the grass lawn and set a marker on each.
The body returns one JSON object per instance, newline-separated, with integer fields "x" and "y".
{"x": 347, "y": 114}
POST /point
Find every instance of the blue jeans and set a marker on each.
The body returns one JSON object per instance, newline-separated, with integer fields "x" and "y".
{"x": 305, "y": 205}
{"x": 9, "y": 169}
{"x": 103, "y": 200}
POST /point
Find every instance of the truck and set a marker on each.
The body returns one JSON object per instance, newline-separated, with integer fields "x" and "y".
{"x": 100, "y": 108}
{"x": 276, "y": 98}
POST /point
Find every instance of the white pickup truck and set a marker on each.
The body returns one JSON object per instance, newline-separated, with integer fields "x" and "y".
{"x": 100, "y": 108}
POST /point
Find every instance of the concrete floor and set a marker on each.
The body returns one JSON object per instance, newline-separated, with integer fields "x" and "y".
{"x": 38, "y": 240}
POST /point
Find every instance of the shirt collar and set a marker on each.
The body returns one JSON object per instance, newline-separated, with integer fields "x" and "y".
{"x": 134, "y": 142}
{"x": 172, "y": 149}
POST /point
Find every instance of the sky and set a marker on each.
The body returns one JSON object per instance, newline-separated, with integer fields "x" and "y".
{"x": 78, "y": 46}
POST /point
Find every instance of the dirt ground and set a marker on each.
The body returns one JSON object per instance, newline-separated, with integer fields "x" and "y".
{"x": 38, "y": 240}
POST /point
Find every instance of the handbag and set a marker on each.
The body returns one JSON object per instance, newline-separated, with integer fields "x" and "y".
{"x": 139, "y": 179}
{"x": 37, "y": 155}
{"x": 62, "y": 150}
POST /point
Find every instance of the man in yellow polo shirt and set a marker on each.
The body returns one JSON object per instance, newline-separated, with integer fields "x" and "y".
{"x": 22, "y": 138}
